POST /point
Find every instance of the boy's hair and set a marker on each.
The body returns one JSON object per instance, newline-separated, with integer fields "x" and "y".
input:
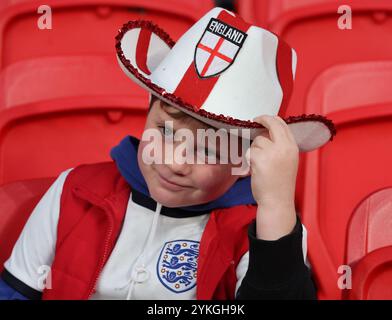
{"x": 152, "y": 100}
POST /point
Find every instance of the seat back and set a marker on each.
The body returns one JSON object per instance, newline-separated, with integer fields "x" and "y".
{"x": 342, "y": 173}
{"x": 311, "y": 27}
{"x": 17, "y": 201}
{"x": 62, "y": 111}
{"x": 369, "y": 248}
{"x": 372, "y": 276}
{"x": 85, "y": 26}
{"x": 370, "y": 226}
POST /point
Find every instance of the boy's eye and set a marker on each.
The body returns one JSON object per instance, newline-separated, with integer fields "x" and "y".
{"x": 207, "y": 153}
{"x": 166, "y": 131}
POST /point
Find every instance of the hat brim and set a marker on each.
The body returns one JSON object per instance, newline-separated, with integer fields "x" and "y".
{"x": 138, "y": 59}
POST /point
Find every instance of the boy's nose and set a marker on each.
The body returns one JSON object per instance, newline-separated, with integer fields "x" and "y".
{"x": 177, "y": 162}
{"x": 179, "y": 169}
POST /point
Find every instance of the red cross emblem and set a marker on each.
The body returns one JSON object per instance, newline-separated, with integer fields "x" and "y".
{"x": 217, "y": 48}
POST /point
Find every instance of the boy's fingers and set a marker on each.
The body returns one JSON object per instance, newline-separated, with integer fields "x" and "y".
{"x": 261, "y": 142}
{"x": 287, "y": 129}
{"x": 284, "y": 125}
{"x": 275, "y": 128}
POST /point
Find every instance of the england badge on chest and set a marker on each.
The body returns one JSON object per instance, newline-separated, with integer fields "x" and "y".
{"x": 217, "y": 48}
{"x": 177, "y": 265}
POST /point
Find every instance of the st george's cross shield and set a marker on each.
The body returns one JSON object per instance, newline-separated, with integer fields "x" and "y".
{"x": 217, "y": 48}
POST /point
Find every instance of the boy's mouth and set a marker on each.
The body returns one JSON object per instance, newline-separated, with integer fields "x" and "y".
{"x": 170, "y": 184}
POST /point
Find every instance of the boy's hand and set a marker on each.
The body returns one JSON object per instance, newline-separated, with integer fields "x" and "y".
{"x": 273, "y": 160}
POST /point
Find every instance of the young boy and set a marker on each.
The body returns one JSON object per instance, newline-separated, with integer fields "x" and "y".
{"x": 173, "y": 229}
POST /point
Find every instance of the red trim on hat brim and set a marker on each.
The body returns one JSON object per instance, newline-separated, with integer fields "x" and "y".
{"x": 177, "y": 101}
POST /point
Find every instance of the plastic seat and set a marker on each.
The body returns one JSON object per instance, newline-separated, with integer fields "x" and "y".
{"x": 63, "y": 111}
{"x": 85, "y": 26}
{"x": 310, "y": 26}
{"x": 283, "y": 12}
{"x": 372, "y": 276}
{"x": 369, "y": 247}
{"x": 337, "y": 177}
{"x": 370, "y": 226}
{"x": 17, "y": 201}
{"x": 64, "y": 77}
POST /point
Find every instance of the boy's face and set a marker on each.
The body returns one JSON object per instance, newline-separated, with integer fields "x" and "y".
{"x": 175, "y": 184}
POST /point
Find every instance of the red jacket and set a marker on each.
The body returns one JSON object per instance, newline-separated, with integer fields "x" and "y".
{"x": 92, "y": 209}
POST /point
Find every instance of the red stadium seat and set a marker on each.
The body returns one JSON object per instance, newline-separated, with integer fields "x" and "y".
{"x": 372, "y": 276}
{"x": 63, "y": 111}
{"x": 85, "y": 26}
{"x": 370, "y": 226}
{"x": 369, "y": 247}
{"x": 52, "y": 78}
{"x": 310, "y": 26}
{"x": 17, "y": 201}
{"x": 337, "y": 177}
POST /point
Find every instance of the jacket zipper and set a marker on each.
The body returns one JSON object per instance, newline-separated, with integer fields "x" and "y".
{"x": 91, "y": 197}
{"x": 105, "y": 253}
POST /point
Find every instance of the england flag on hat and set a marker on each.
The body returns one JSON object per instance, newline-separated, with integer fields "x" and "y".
{"x": 217, "y": 48}
{"x": 222, "y": 71}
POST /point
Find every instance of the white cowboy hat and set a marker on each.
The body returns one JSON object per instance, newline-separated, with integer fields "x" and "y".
{"x": 222, "y": 71}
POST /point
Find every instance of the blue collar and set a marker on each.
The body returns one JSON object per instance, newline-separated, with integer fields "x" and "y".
{"x": 125, "y": 156}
